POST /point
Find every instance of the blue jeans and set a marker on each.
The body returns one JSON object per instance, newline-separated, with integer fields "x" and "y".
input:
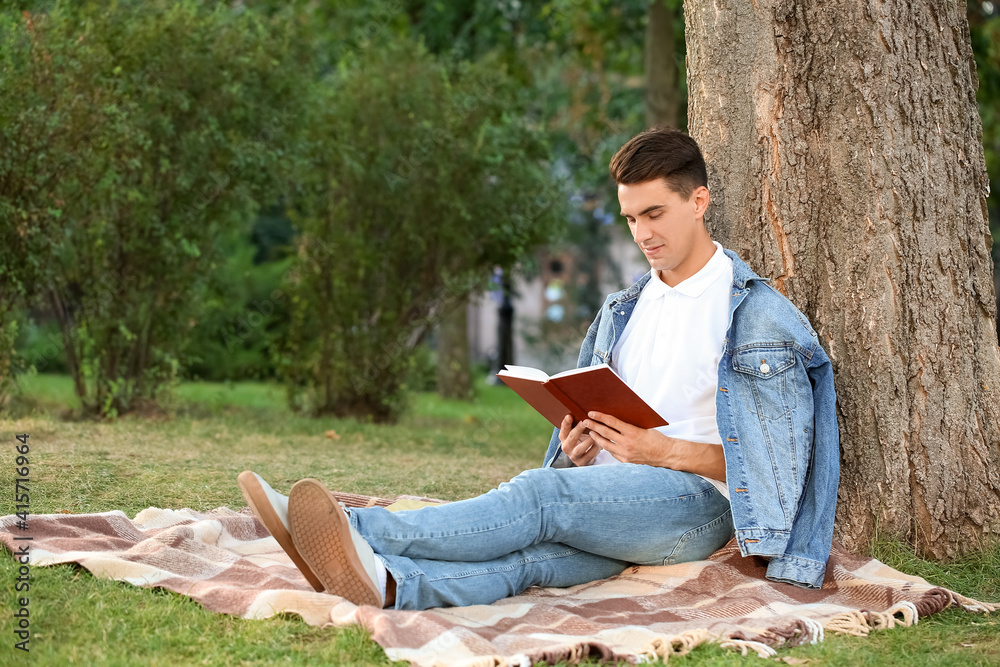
{"x": 546, "y": 527}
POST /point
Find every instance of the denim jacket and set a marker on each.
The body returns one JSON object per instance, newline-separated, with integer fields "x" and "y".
{"x": 776, "y": 411}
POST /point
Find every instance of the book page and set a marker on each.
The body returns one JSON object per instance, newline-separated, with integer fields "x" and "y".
{"x": 586, "y": 369}
{"x": 526, "y": 372}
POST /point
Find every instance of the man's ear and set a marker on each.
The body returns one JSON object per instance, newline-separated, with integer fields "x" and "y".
{"x": 701, "y": 198}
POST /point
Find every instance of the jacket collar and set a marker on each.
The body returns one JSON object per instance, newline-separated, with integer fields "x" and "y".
{"x": 631, "y": 292}
{"x": 742, "y": 274}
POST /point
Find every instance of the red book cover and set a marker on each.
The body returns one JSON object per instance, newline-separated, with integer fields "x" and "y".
{"x": 579, "y": 391}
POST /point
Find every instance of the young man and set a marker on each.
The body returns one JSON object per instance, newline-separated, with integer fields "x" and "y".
{"x": 752, "y": 445}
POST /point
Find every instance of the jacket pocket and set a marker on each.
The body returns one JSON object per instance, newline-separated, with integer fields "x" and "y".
{"x": 766, "y": 373}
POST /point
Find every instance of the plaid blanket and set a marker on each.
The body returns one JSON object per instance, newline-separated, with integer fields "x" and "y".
{"x": 228, "y": 562}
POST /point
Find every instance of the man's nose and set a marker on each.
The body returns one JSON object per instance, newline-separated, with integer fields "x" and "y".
{"x": 641, "y": 232}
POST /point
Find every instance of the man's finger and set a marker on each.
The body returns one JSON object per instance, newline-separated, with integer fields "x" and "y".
{"x": 610, "y": 441}
{"x": 564, "y": 428}
{"x": 601, "y": 438}
{"x": 571, "y": 434}
{"x": 610, "y": 420}
{"x": 572, "y": 442}
{"x": 603, "y": 429}
{"x": 586, "y": 452}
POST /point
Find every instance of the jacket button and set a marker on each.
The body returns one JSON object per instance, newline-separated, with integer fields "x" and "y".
{"x": 764, "y": 368}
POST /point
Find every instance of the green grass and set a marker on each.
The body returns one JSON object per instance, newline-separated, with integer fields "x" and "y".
{"x": 446, "y": 449}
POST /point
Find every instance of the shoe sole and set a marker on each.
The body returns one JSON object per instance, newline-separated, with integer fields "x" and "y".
{"x": 321, "y": 532}
{"x": 256, "y": 498}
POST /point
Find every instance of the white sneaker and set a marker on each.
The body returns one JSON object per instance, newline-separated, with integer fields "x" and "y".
{"x": 342, "y": 560}
{"x": 272, "y": 509}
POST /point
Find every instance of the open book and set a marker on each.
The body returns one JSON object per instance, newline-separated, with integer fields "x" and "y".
{"x": 577, "y": 392}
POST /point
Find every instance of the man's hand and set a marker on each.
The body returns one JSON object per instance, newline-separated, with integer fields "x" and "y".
{"x": 628, "y": 443}
{"x": 577, "y": 443}
{"x": 631, "y": 444}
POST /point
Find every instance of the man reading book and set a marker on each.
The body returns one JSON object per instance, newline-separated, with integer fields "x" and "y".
{"x": 751, "y": 448}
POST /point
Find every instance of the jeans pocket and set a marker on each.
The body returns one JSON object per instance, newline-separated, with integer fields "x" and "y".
{"x": 701, "y": 542}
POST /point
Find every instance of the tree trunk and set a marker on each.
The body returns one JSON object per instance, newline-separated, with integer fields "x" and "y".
{"x": 454, "y": 378}
{"x": 66, "y": 329}
{"x": 846, "y": 164}
{"x": 505, "y": 323}
{"x": 662, "y": 91}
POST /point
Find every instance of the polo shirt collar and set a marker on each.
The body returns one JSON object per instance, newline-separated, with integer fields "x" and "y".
{"x": 694, "y": 286}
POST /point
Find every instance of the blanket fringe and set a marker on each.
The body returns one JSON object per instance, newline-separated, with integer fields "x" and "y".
{"x": 813, "y": 632}
{"x": 484, "y": 661}
{"x": 570, "y": 653}
{"x": 974, "y": 605}
{"x": 682, "y": 644}
{"x": 860, "y": 624}
{"x": 487, "y": 661}
{"x": 744, "y": 646}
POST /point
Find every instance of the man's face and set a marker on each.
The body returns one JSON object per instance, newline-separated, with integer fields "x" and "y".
{"x": 669, "y": 229}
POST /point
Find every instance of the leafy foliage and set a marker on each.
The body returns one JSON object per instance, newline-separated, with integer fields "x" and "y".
{"x": 46, "y": 123}
{"x": 418, "y": 176}
{"x": 137, "y": 144}
{"x": 148, "y": 131}
{"x": 244, "y": 313}
{"x": 984, "y": 24}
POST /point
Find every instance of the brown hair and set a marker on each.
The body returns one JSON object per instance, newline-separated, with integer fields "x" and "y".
{"x": 661, "y": 152}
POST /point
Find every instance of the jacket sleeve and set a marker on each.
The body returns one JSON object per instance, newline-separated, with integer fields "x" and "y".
{"x": 812, "y": 528}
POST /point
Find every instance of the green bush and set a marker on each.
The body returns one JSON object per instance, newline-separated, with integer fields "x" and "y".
{"x": 40, "y": 346}
{"x": 422, "y": 373}
{"x": 48, "y": 122}
{"x": 142, "y": 133}
{"x": 420, "y": 178}
{"x": 244, "y": 313}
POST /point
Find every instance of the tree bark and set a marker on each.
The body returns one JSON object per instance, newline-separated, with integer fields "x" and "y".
{"x": 454, "y": 378}
{"x": 662, "y": 91}
{"x": 846, "y": 164}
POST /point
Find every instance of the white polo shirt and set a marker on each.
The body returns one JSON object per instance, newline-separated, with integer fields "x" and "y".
{"x": 670, "y": 350}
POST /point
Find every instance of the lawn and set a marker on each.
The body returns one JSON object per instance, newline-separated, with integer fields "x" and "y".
{"x": 445, "y": 449}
